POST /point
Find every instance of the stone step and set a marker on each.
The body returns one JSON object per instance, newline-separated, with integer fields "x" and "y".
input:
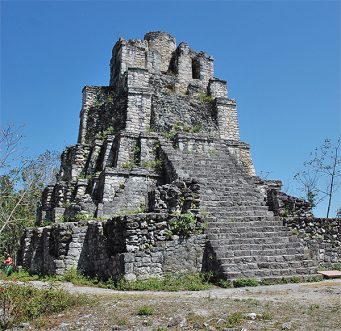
{"x": 257, "y": 255}
{"x": 247, "y": 239}
{"x": 250, "y": 234}
{"x": 270, "y": 273}
{"x": 251, "y": 221}
{"x": 235, "y": 195}
{"x": 252, "y": 240}
{"x": 236, "y": 250}
{"x": 268, "y": 266}
{"x": 245, "y": 227}
{"x": 220, "y": 210}
{"x": 230, "y": 203}
{"x": 272, "y": 258}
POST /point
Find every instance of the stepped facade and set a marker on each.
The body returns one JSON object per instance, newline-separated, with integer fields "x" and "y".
{"x": 159, "y": 182}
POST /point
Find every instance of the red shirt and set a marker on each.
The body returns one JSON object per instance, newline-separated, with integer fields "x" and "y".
{"x": 8, "y": 261}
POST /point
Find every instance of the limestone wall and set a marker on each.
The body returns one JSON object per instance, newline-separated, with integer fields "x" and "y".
{"x": 103, "y": 112}
{"x": 162, "y": 44}
{"x": 127, "y": 246}
{"x": 322, "y": 236}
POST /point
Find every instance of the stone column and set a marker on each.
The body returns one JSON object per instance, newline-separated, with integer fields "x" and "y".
{"x": 89, "y": 99}
{"x": 226, "y": 112}
{"x": 217, "y": 88}
{"x": 164, "y": 44}
{"x": 139, "y": 100}
{"x": 183, "y": 64}
{"x": 202, "y": 68}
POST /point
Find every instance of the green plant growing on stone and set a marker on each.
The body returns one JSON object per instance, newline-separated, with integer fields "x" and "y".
{"x": 204, "y": 213}
{"x": 295, "y": 232}
{"x": 61, "y": 219}
{"x": 134, "y": 211}
{"x": 82, "y": 217}
{"x": 181, "y": 127}
{"x": 169, "y": 135}
{"x": 285, "y": 212}
{"x": 136, "y": 153}
{"x": 204, "y": 97}
{"x": 156, "y": 147}
{"x": 66, "y": 204}
{"x": 129, "y": 165}
{"x": 197, "y": 128}
{"x": 183, "y": 224}
{"x": 107, "y": 132}
{"x": 153, "y": 164}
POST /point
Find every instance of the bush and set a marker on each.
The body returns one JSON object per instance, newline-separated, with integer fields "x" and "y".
{"x": 183, "y": 224}
{"x": 242, "y": 282}
{"x": 25, "y": 303}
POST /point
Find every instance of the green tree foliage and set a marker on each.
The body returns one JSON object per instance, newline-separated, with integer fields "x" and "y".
{"x": 21, "y": 182}
{"x": 320, "y": 177}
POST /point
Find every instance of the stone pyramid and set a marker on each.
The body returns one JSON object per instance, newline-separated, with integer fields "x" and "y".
{"x": 160, "y": 182}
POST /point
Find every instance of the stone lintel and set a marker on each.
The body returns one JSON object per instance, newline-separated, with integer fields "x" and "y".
{"x": 150, "y": 135}
{"x": 139, "y": 172}
{"x": 128, "y": 134}
{"x": 140, "y": 91}
{"x": 215, "y": 79}
{"x": 205, "y": 137}
{"x": 82, "y": 182}
{"x": 225, "y": 102}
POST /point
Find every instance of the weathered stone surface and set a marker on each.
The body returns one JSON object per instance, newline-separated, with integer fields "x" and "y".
{"x": 158, "y": 160}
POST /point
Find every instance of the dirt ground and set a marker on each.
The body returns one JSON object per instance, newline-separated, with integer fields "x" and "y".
{"x": 306, "y": 306}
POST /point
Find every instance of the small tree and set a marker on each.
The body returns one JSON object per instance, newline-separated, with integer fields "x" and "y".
{"x": 21, "y": 183}
{"x": 338, "y": 213}
{"x": 321, "y": 175}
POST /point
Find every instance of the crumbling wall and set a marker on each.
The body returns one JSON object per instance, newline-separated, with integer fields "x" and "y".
{"x": 322, "y": 236}
{"x": 104, "y": 112}
{"x": 171, "y": 112}
{"x": 282, "y": 204}
{"x": 135, "y": 247}
{"x": 180, "y": 196}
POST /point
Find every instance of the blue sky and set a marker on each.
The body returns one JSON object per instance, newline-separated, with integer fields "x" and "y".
{"x": 281, "y": 60}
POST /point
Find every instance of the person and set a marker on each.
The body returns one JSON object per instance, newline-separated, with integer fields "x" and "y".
{"x": 8, "y": 265}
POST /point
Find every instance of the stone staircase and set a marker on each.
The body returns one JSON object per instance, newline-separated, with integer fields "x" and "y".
{"x": 245, "y": 238}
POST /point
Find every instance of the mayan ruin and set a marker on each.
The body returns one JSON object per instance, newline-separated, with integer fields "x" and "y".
{"x": 159, "y": 182}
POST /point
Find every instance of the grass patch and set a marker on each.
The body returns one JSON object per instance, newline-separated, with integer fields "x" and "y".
{"x": 145, "y": 311}
{"x": 333, "y": 266}
{"x": 176, "y": 282}
{"x": 234, "y": 320}
{"x": 153, "y": 165}
{"x": 171, "y": 282}
{"x": 242, "y": 282}
{"x": 26, "y": 303}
